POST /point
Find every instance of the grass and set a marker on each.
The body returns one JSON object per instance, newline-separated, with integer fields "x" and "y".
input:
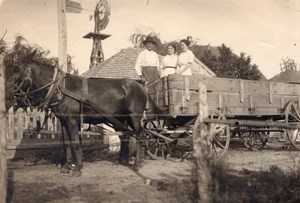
{"x": 272, "y": 185}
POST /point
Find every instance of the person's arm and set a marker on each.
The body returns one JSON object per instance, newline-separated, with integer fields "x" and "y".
{"x": 157, "y": 61}
{"x": 138, "y": 65}
{"x": 177, "y": 66}
{"x": 138, "y": 68}
{"x": 191, "y": 57}
{"x": 189, "y": 64}
{"x": 162, "y": 67}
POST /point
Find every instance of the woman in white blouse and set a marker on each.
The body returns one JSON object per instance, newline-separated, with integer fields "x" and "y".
{"x": 185, "y": 59}
{"x": 169, "y": 62}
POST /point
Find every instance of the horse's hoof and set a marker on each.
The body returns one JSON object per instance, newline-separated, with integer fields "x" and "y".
{"x": 65, "y": 169}
{"x": 76, "y": 173}
{"x": 132, "y": 161}
{"x": 123, "y": 162}
{"x": 136, "y": 166}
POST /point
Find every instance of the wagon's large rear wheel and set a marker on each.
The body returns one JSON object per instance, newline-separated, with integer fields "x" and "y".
{"x": 292, "y": 115}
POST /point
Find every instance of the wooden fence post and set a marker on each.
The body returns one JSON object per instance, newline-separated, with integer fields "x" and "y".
{"x": 202, "y": 149}
{"x": 3, "y": 134}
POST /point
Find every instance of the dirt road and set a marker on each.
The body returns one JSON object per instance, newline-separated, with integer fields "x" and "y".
{"x": 107, "y": 181}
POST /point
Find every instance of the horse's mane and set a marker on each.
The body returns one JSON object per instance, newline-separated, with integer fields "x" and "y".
{"x": 45, "y": 62}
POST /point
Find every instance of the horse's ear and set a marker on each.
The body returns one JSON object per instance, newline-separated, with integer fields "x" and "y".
{"x": 30, "y": 56}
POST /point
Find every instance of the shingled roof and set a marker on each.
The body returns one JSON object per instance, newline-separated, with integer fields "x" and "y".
{"x": 122, "y": 65}
{"x": 287, "y": 76}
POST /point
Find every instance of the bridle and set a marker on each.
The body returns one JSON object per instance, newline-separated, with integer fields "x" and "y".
{"x": 23, "y": 90}
{"x": 17, "y": 88}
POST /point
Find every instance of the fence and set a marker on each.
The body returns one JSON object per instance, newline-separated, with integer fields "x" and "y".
{"x": 23, "y": 134}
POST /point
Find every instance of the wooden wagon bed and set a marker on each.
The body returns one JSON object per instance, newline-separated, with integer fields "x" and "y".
{"x": 178, "y": 96}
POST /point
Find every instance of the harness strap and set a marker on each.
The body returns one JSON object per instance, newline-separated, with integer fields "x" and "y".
{"x": 85, "y": 88}
{"x": 58, "y": 77}
{"x": 72, "y": 94}
{"x": 100, "y": 111}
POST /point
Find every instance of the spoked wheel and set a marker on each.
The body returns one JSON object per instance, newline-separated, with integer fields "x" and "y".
{"x": 220, "y": 134}
{"x": 254, "y": 138}
{"x": 157, "y": 147}
{"x": 292, "y": 115}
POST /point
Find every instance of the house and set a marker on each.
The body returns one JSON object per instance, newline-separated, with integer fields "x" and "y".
{"x": 122, "y": 65}
{"x": 290, "y": 76}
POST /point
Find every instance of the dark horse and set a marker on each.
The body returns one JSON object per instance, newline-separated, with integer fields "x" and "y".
{"x": 73, "y": 100}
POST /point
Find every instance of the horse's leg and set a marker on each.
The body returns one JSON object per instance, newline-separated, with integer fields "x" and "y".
{"x": 137, "y": 127}
{"x": 124, "y": 149}
{"x": 67, "y": 152}
{"x": 73, "y": 130}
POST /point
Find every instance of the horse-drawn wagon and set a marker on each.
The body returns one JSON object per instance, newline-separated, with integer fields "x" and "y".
{"x": 250, "y": 109}
{"x": 246, "y": 109}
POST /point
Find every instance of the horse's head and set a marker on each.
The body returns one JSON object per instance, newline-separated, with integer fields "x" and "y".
{"x": 17, "y": 81}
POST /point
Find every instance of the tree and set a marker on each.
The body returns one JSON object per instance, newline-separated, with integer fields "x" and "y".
{"x": 22, "y": 48}
{"x": 3, "y": 47}
{"x": 288, "y": 64}
{"x": 228, "y": 65}
{"x": 209, "y": 59}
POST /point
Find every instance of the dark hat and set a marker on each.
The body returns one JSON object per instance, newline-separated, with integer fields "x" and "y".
{"x": 150, "y": 39}
{"x": 187, "y": 42}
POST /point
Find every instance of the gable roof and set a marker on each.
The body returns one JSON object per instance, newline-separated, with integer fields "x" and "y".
{"x": 287, "y": 76}
{"x": 122, "y": 65}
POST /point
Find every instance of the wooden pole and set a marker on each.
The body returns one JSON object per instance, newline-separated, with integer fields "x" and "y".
{"x": 3, "y": 167}
{"x": 62, "y": 34}
{"x": 202, "y": 149}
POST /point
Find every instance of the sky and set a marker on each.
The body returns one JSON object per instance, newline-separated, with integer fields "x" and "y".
{"x": 267, "y": 30}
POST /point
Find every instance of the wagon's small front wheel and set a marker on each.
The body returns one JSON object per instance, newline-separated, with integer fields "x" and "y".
{"x": 156, "y": 147}
{"x": 220, "y": 134}
{"x": 254, "y": 138}
{"x": 292, "y": 116}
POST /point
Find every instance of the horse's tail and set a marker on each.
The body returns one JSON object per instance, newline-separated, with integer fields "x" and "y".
{"x": 154, "y": 108}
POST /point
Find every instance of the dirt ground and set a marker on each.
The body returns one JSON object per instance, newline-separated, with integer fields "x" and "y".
{"x": 157, "y": 181}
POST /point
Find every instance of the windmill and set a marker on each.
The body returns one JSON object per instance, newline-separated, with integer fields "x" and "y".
{"x": 101, "y": 18}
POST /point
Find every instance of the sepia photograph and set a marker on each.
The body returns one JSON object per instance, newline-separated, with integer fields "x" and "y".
{"x": 158, "y": 101}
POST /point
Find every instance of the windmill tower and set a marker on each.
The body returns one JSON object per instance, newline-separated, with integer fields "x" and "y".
{"x": 101, "y": 18}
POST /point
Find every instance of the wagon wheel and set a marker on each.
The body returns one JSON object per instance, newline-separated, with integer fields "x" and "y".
{"x": 220, "y": 134}
{"x": 292, "y": 115}
{"x": 254, "y": 139}
{"x": 157, "y": 148}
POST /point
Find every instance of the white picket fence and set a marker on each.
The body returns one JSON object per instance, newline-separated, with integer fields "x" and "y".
{"x": 22, "y": 133}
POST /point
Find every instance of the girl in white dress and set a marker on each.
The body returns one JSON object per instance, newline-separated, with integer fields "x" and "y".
{"x": 169, "y": 62}
{"x": 185, "y": 59}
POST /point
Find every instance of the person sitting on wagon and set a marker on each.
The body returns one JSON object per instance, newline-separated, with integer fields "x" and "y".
{"x": 185, "y": 59}
{"x": 169, "y": 62}
{"x": 147, "y": 62}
